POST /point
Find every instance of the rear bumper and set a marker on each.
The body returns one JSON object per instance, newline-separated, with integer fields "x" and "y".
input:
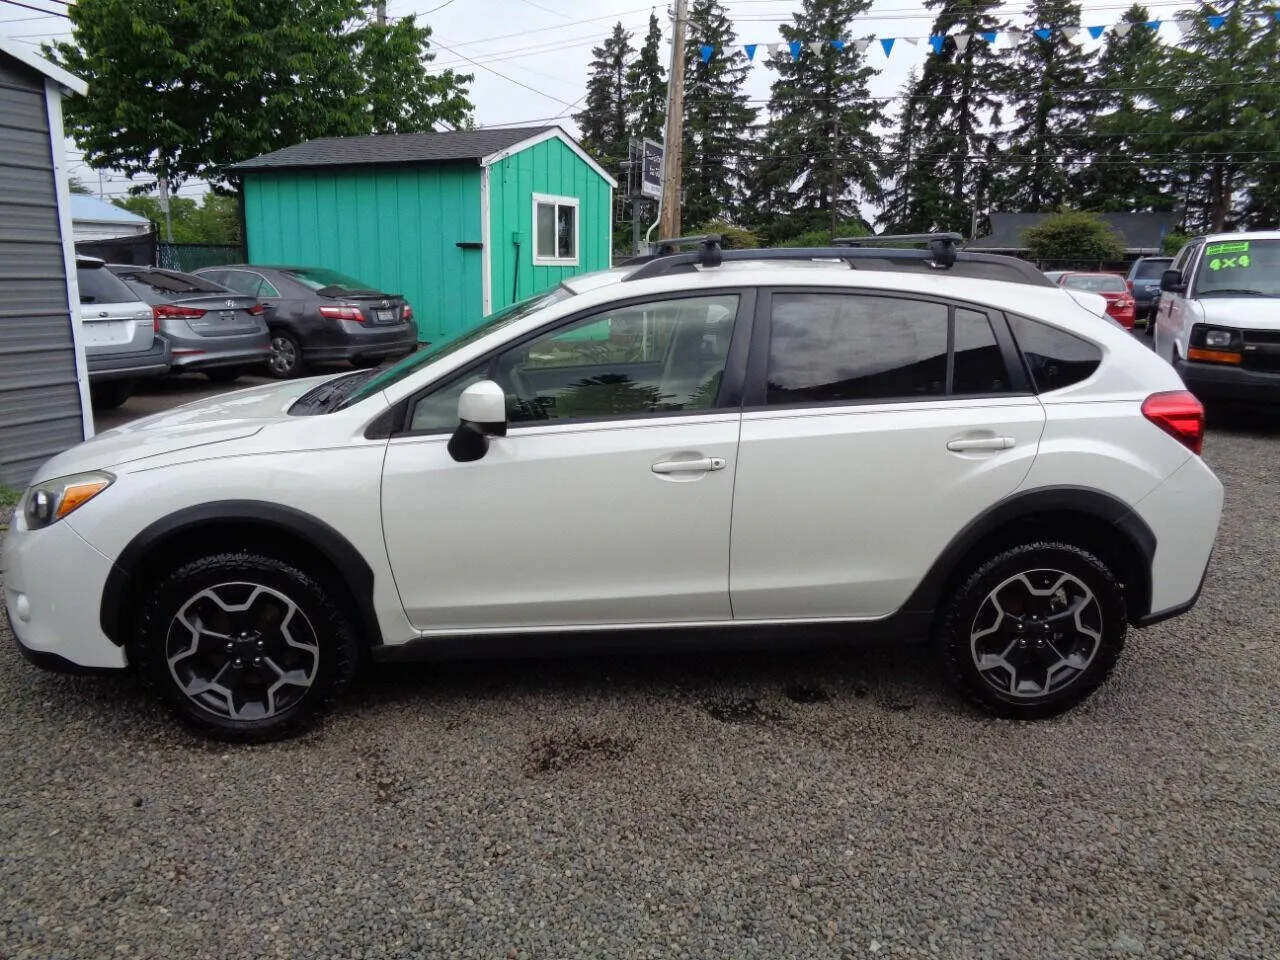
{"x": 1221, "y": 382}
{"x": 154, "y": 362}
{"x": 366, "y": 342}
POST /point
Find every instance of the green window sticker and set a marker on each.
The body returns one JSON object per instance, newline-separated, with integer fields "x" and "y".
{"x": 1230, "y": 263}
{"x": 1233, "y": 246}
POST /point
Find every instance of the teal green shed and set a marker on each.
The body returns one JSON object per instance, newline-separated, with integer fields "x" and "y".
{"x": 462, "y": 223}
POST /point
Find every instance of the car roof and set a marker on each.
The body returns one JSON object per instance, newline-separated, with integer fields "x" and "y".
{"x": 1240, "y": 235}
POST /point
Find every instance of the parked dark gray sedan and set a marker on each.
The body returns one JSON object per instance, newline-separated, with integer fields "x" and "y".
{"x": 318, "y": 315}
{"x": 212, "y": 329}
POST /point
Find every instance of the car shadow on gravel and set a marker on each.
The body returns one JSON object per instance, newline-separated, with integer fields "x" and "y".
{"x": 1246, "y": 419}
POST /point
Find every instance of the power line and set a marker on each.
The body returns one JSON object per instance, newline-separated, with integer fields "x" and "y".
{"x": 504, "y": 76}
{"x": 26, "y": 6}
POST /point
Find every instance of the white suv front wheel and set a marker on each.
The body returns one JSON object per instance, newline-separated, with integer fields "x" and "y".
{"x": 1034, "y": 630}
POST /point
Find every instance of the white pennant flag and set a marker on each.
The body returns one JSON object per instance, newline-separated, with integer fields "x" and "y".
{"x": 862, "y": 44}
{"x": 1070, "y": 32}
{"x": 962, "y": 41}
{"x": 1015, "y": 34}
{"x": 1122, "y": 29}
{"x": 1184, "y": 26}
{"x": 773, "y": 47}
{"x": 815, "y": 46}
{"x": 911, "y": 40}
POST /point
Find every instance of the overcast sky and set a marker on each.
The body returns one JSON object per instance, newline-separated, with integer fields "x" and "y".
{"x": 529, "y": 57}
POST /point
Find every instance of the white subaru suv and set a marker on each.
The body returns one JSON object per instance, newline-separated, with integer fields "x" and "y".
{"x": 746, "y": 445}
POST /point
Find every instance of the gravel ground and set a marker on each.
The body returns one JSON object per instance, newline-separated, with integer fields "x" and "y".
{"x": 744, "y": 806}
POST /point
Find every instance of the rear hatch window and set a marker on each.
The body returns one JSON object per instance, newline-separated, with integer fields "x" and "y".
{"x": 100, "y": 285}
{"x": 1151, "y": 269}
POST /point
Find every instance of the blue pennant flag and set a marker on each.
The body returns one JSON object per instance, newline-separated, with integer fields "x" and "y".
{"x": 1153, "y": 24}
{"x": 1044, "y": 33}
{"x": 1216, "y": 21}
{"x": 839, "y": 45}
{"x": 705, "y": 51}
{"x": 887, "y": 43}
{"x": 1096, "y": 32}
{"x": 1277, "y": 16}
{"x": 937, "y": 41}
{"x": 796, "y": 46}
{"x": 751, "y": 50}
{"x": 989, "y": 37}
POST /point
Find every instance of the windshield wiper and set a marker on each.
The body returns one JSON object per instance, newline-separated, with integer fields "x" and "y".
{"x": 326, "y": 396}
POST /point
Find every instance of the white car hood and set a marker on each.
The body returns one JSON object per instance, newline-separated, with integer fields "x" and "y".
{"x": 230, "y": 416}
{"x": 1250, "y": 313}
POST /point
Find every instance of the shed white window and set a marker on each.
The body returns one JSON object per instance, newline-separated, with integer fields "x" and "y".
{"x": 555, "y": 227}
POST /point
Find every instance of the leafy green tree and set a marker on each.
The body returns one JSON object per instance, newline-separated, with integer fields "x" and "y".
{"x": 647, "y": 87}
{"x": 821, "y": 152}
{"x": 1074, "y": 235}
{"x": 215, "y": 219}
{"x": 945, "y": 128}
{"x": 1045, "y": 85}
{"x": 605, "y": 119}
{"x": 76, "y": 185}
{"x": 184, "y": 87}
{"x": 717, "y": 118}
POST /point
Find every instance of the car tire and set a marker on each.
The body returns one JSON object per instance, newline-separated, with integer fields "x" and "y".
{"x": 245, "y": 647}
{"x": 1057, "y": 642}
{"x": 110, "y": 395}
{"x": 224, "y": 374}
{"x": 285, "y": 361}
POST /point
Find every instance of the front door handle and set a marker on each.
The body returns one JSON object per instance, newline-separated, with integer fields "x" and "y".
{"x": 701, "y": 465}
{"x": 980, "y": 443}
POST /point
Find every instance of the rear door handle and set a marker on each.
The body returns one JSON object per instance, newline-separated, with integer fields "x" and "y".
{"x": 702, "y": 465}
{"x": 980, "y": 443}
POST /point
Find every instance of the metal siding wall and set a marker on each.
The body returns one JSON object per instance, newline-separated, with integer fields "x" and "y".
{"x": 549, "y": 167}
{"x": 40, "y": 412}
{"x": 395, "y": 228}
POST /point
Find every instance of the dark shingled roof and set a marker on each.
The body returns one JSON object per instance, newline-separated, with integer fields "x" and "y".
{"x": 454, "y": 146}
{"x": 1141, "y": 231}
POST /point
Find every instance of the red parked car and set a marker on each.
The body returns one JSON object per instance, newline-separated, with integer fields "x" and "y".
{"x": 1120, "y": 303}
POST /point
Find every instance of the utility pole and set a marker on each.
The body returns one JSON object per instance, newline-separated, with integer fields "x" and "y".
{"x": 164, "y": 202}
{"x": 382, "y": 13}
{"x": 672, "y": 161}
{"x": 835, "y": 178}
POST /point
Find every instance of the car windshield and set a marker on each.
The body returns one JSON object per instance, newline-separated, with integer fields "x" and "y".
{"x": 416, "y": 361}
{"x": 1099, "y": 282}
{"x": 1239, "y": 268}
{"x": 331, "y": 282}
{"x": 1151, "y": 269}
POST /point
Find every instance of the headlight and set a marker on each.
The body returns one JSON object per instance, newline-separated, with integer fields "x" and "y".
{"x": 1217, "y": 338}
{"x": 48, "y": 502}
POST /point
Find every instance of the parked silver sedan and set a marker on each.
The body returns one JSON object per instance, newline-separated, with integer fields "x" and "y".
{"x": 213, "y": 329}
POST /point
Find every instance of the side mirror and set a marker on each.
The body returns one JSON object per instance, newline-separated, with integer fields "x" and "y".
{"x": 482, "y": 413}
{"x": 1171, "y": 281}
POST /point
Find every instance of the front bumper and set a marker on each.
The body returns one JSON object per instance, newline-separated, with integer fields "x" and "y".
{"x": 154, "y": 362}
{"x": 53, "y": 582}
{"x": 1217, "y": 381}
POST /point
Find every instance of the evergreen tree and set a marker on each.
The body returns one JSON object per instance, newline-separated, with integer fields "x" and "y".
{"x": 605, "y": 119}
{"x": 955, "y": 107}
{"x": 821, "y": 150}
{"x": 912, "y": 189}
{"x": 647, "y": 87}
{"x": 717, "y": 118}
{"x": 1046, "y": 88}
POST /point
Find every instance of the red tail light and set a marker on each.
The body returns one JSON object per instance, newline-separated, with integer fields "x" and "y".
{"x": 408, "y": 312}
{"x": 163, "y": 310}
{"x": 1179, "y": 414}
{"x": 257, "y": 310}
{"x": 342, "y": 313}
{"x": 1129, "y": 284}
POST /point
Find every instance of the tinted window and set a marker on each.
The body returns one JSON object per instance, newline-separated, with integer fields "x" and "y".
{"x": 979, "y": 364}
{"x": 329, "y": 282}
{"x": 172, "y": 282}
{"x": 1054, "y": 357}
{"x": 100, "y": 285}
{"x": 1151, "y": 269}
{"x": 828, "y": 347}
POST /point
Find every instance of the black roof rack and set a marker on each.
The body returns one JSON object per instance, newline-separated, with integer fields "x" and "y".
{"x": 943, "y": 256}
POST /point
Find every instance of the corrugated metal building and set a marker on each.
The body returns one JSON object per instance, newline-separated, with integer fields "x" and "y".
{"x": 462, "y": 223}
{"x": 44, "y": 399}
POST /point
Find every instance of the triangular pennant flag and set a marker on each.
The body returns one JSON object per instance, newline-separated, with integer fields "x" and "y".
{"x": 1184, "y": 26}
{"x": 962, "y": 41}
{"x": 1152, "y": 24}
{"x": 861, "y": 45}
{"x": 1070, "y": 31}
{"x": 887, "y": 43}
{"x": 990, "y": 36}
{"x": 1216, "y": 21}
{"x": 936, "y": 41}
{"x": 796, "y": 46}
{"x": 705, "y": 51}
{"x": 773, "y": 47}
{"x": 914, "y": 41}
{"x": 1096, "y": 32}
{"x": 1277, "y": 16}
{"x": 839, "y": 45}
{"x": 1044, "y": 33}
{"x": 750, "y": 49}
{"x": 815, "y": 46}
{"x": 1122, "y": 29}
{"x": 1015, "y": 34}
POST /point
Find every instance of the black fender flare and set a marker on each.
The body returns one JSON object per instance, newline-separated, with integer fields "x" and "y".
{"x": 349, "y": 563}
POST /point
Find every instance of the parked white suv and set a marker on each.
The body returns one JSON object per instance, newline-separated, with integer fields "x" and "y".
{"x": 1218, "y": 319}
{"x": 852, "y": 442}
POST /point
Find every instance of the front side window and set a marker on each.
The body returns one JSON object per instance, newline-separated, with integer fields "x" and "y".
{"x": 661, "y": 357}
{"x": 555, "y": 223}
{"x": 850, "y": 348}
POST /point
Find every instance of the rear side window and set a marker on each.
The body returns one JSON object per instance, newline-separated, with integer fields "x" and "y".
{"x": 1055, "y": 358}
{"x": 835, "y": 347}
{"x": 100, "y": 285}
